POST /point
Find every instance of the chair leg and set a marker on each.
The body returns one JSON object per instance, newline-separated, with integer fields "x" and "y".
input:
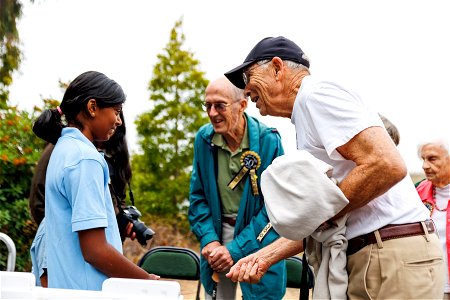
{"x": 198, "y": 290}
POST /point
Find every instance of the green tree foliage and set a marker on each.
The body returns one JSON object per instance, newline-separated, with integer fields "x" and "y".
{"x": 10, "y": 55}
{"x": 161, "y": 173}
{"x": 19, "y": 151}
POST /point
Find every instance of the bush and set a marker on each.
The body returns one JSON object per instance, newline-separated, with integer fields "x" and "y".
{"x": 19, "y": 151}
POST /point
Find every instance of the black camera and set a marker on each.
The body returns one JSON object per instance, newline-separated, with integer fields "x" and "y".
{"x": 131, "y": 214}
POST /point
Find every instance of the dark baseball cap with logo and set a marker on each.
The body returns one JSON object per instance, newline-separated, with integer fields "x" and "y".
{"x": 268, "y": 48}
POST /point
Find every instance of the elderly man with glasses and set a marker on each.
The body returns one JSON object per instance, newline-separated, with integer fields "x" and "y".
{"x": 226, "y": 211}
{"x": 393, "y": 250}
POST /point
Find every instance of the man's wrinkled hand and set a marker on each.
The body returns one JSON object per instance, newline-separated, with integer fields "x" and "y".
{"x": 249, "y": 269}
{"x": 220, "y": 259}
{"x": 206, "y": 251}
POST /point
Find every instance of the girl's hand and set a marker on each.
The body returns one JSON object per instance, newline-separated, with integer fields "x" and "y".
{"x": 129, "y": 231}
{"x": 153, "y": 277}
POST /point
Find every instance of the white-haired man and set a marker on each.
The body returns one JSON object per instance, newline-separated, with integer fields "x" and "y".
{"x": 393, "y": 250}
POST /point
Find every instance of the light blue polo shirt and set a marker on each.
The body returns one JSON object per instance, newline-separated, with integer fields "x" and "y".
{"x": 77, "y": 198}
{"x": 38, "y": 253}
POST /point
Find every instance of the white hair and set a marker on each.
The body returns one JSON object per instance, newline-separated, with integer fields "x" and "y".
{"x": 289, "y": 63}
{"x": 439, "y": 141}
{"x": 293, "y": 65}
{"x": 237, "y": 92}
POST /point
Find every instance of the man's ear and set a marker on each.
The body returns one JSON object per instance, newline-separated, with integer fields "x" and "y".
{"x": 91, "y": 107}
{"x": 244, "y": 104}
{"x": 277, "y": 64}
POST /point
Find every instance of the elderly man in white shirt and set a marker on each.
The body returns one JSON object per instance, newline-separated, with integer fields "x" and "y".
{"x": 393, "y": 250}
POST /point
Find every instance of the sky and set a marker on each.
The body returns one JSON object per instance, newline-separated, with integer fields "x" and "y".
{"x": 394, "y": 54}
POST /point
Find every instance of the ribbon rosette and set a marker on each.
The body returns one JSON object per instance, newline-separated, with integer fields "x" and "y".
{"x": 250, "y": 162}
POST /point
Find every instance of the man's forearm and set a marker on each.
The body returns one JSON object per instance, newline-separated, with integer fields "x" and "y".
{"x": 362, "y": 185}
{"x": 280, "y": 249}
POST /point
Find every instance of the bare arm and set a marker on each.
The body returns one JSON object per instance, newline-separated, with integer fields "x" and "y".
{"x": 252, "y": 268}
{"x": 104, "y": 257}
{"x": 379, "y": 166}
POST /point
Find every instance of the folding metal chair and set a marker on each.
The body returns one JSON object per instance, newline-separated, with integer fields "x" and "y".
{"x": 294, "y": 268}
{"x": 11, "y": 262}
{"x": 174, "y": 263}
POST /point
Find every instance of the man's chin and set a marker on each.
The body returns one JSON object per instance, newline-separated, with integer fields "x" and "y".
{"x": 218, "y": 129}
{"x": 430, "y": 178}
{"x": 262, "y": 111}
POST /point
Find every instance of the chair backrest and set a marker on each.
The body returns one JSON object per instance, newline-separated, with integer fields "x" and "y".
{"x": 11, "y": 263}
{"x": 294, "y": 267}
{"x": 172, "y": 262}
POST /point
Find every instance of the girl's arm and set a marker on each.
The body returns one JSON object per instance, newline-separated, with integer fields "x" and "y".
{"x": 104, "y": 257}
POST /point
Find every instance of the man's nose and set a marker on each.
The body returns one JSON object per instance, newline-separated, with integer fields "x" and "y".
{"x": 213, "y": 112}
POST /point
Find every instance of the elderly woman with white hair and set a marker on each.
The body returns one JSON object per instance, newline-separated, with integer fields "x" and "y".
{"x": 435, "y": 191}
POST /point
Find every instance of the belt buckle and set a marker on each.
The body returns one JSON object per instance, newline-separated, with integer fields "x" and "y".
{"x": 429, "y": 224}
{"x": 229, "y": 221}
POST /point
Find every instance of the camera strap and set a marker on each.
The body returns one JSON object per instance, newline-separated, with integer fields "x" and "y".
{"x": 130, "y": 193}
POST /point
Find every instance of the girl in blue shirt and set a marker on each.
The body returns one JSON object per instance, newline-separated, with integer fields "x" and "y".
{"x": 82, "y": 238}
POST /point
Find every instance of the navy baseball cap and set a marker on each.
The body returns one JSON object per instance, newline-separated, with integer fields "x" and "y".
{"x": 268, "y": 48}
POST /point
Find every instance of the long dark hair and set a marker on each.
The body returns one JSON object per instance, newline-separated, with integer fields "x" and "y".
{"x": 88, "y": 85}
{"x": 118, "y": 157}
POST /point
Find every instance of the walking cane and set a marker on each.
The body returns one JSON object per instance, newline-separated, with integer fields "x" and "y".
{"x": 215, "y": 278}
{"x": 304, "y": 289}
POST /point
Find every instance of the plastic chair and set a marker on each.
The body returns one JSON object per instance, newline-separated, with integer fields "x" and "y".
{"x": 173, "y": 262}
{"x": 294, "y": 269}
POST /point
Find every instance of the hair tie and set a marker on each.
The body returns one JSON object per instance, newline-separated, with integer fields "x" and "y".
{"x": 59, "y": 110}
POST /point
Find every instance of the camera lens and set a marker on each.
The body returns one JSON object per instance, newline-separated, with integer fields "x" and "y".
{"x": 143, "y": 233}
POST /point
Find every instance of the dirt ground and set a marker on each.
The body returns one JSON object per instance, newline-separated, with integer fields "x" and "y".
{"x": 189, "y": 289}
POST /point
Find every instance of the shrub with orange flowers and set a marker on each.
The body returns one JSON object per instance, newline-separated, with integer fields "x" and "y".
{"x": 19, "y": 151}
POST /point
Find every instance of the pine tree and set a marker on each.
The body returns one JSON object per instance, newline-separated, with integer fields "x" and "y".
{"x": 161, "y": 173}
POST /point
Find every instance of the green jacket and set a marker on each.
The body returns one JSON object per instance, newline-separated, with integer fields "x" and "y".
{"x": 205, "y": 210}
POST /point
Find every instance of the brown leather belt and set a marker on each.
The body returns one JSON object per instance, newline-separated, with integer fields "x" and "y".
{"x": 228, "y": 220}
{"x": 389, "y": 232}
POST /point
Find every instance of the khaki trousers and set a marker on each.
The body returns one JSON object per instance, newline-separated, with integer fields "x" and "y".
{"x": 402, "y": 268}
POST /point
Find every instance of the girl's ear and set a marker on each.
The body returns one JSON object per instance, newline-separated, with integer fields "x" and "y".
{"x": 91, "y": 107}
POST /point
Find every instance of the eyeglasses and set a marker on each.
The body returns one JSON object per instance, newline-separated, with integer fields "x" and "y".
{"x": 246, "y": 73}
{"x": 220, "y": 106}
